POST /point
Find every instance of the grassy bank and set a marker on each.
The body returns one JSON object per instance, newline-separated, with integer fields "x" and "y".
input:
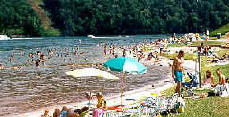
{"x": 187, "y": 56}
{"x": 209, "y": 43}
{"x": 224, "y": 29}
{"x": 209, "y": 106}
{"x": 47, "y": 29}
{"x": 202, "y": 107}
{"x": 197, "y": 43}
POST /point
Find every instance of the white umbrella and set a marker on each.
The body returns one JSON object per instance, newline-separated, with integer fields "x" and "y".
{"x": 85, "y": 72}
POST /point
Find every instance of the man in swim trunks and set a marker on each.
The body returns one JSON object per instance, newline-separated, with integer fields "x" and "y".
{"x": 177, "y": 71}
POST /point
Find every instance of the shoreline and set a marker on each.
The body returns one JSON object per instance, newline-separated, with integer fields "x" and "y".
{"x": 138, "y": 93}
{"x": 159, "y": 86}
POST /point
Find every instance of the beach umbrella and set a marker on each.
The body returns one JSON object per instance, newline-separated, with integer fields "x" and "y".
{"x": 86, "y": 72}
{"x": 125, "y": 65}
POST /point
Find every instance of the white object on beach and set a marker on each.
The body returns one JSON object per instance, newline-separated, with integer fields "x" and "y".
{"x": 91, "y": 72}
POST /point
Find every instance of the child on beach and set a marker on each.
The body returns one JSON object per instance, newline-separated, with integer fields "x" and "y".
{"x": 46, "y": 114}
{"x": 177, "y": 71}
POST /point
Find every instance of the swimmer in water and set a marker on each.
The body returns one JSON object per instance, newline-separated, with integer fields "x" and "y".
{"x": 11, "y": 58}
{"x": 42, "y": 59}
{"x": 37, "y": 63}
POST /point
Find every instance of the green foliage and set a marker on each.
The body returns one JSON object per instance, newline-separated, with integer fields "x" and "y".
{"x": 224, "y": 29}
{"x": 104, "y": 17}
{"x": 18, "y": 18}
{"x": 80, "y": 17}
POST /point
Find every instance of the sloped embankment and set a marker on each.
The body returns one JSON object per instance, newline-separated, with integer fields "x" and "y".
{"x": 48, "y": 30}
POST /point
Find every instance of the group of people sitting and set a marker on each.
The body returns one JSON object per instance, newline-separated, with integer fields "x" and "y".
{"x": 210, "y": 78}
{"x": 218, "y": 88}
{"x": 98, "y": 111}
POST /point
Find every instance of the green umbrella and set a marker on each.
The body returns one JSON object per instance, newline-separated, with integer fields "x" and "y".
{"x": 125, "y": 65}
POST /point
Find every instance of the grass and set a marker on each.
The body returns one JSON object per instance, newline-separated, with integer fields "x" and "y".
{"x": 197, "y": 43}
{"x": 213, "y": 38}
{"x": 206, "y": 107}
{"x": 209, "y": 106}
{"x": 177, "y": 45}
{"x": 209, "y": 43}
{"x": 202, "y": 107}
{"x": 222, "y": 52}
{"x": 187, "y": 56}
{"x": 224, "y": 29}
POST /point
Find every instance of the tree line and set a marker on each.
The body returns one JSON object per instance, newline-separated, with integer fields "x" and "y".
{"x": 108, "y": 17}
{"x": 80, "y": 17}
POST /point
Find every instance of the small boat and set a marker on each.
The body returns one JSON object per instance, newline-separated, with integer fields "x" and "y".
{"x": 91, "y": 36}
{"x": 113, "y": 37}
{"x": 4, "y": 37}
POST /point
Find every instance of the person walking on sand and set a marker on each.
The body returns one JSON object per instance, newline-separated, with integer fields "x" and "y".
{"x": 177, "y": 71}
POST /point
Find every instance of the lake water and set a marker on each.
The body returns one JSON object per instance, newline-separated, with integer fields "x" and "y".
{"x": 31, "y": 88}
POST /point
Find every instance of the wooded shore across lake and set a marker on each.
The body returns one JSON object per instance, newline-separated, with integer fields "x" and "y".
{"x": 106, "y": 17}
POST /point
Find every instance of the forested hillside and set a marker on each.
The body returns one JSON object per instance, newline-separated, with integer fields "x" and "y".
{"x": 18, "y": 18}
{"x": 78, "y": 17}
{"x": 104, "y": 17}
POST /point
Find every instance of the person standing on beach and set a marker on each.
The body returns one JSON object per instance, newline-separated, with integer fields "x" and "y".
{"x": 177, "y": 71}
{"x": 123, "y": 52}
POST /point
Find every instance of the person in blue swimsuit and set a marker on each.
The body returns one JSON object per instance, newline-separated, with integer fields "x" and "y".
{"x": 177, "y": 71}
